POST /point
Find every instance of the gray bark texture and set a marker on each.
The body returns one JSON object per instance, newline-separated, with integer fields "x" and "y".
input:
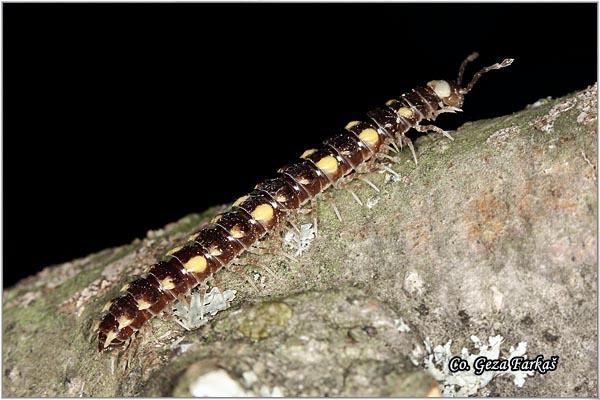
{"x": 492, "y": 234}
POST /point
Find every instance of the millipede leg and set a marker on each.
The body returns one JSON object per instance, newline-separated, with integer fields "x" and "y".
{"x": 128, "y": 354}
{"x": 243, "y": 274}
{"x": 393, "y": 148}
{"x": 247, "y": 278}
{"x": 272, "y": 251}
{"x": 113, "y": 360}
{"x": 411, "y": 147}
{"x": 184, "y": 299}
{"x": 388, "y": 157}
{"x": 329, "y": 197}
{"x": 250, "y": 280}
{"x": 311, "y": 210}
{"x": 391, "y": 171}
{"x": 336, "y": 211}
{"x": 356, "y": 198}
{"x": 433, "y": 128}
{"x": 293, "y": 225}
{"x": 269, "y": 271}
{"x": 181, "y": 324}
{"x": 368, "y": 182}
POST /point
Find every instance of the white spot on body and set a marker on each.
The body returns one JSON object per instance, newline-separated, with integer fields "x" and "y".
{"x": 440, "y": 87}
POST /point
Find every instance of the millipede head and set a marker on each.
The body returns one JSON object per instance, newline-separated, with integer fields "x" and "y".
{"x": 452, "y": 93}
{"x": 449, "y": 92}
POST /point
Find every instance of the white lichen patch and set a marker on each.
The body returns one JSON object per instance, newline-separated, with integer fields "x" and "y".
{"x": 250, "y": 378}
{"x": 391, "y": 176}
{"x": 546, "y": 122}
{"x": 217, "y": 383}
{"x": 502, "y": 136}
{"x": 467, "y": 383}
{"x": 195, "y": 315}
{"x": 413, "y": 284}
{"x": 266, "y": 391}
{"x": 299, "y": 242}
{"x": 401, "y": 326}
{"x": 587, "y": 104}
{"x": 585, "y": 101}
{"x": 539, "y": 103}
{"x": 372, "y": 202}
{"x": 24, "y": 300}
{"x": 79, "y": 300}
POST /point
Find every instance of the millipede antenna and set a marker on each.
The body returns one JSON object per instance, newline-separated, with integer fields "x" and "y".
{"x": 478, "y": 74}
{"x": 461, "y": 71}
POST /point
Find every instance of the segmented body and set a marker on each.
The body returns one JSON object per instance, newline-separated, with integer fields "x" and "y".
{"x": 256, "y": 214}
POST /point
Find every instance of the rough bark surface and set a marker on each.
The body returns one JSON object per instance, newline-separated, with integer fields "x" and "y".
{"x": 492, "y": 234}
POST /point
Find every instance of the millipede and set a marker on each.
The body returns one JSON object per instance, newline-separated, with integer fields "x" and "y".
{"x": 354, "y": 150}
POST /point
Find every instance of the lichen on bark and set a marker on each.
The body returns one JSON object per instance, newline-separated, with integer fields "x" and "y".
{"x": 492, "y": 234}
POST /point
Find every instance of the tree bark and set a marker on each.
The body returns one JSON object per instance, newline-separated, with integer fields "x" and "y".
{"x": 491, "y": 234}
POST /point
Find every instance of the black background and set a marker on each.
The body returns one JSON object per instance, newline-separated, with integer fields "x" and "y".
{"x": 120, "y": 118}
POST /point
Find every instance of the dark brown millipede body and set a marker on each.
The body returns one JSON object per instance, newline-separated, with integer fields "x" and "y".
{"x": 256, "y": 214}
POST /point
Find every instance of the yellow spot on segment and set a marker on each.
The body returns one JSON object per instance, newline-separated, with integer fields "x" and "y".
{"x": 96, "y": 326}
{"x": 195, "y": 264}
{"x": 192, "y": 238}
{"x": 405, "y": 112}
{"x": 123, "y": 322}
{"x": 124, "y": 288}
{"x": 143, "y": 304}
{"x": 390, "y": 102}
{"x": 263, "y": 212}
{"x": 240, "y": 201}
{"x": 281, "y": 198}
{"x": 106, "y": 306}
{"x": 303, "y": 181}
{"x": 237, "y": 232}
{"x": 110, "y": 336}
{"x": 174, "y": 250}
{"x": 216, "y": 218}
{"x": 352, "y": 124}
{"x": 214, "y": 250}
{"x": 369, "y": 136}
{"x": 328, "y": 165}
{"x": 307, "y": 153}
{"x": 167, "y": 283}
